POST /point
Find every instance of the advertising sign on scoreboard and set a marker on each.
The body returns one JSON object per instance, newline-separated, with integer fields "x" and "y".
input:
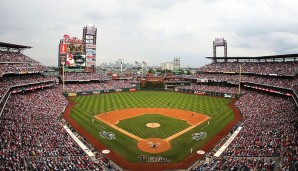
{"x": 91, "y": 29}
{"x": 90, "y": 55}
{"x": 62, "y": 59}
{"x": 63, "y": 48}
{"x": 75, "y": 48}
{"x": 90, "y": 51}
{"x": 75, "y": 60}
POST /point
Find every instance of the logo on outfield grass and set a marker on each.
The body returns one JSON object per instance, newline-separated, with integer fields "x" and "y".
{"x": 157, "y": 159}
{"x": 199, "y": 135}
{"x": 107, "y": 135}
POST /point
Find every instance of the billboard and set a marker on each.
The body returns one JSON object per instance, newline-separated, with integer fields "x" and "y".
{"x": 75, "y": 60}
{"x": 62, "y": 59}
{"x": 219, "y": 42}
{"x": 91, "y": 29}
{"x": 75, "y": 48}
{"x": 90, "y": 55}
{"x": 63, "y": 48}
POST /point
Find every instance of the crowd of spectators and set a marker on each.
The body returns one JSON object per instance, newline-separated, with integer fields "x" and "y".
{"x": 270, "y": 127}
{"x": 91, "y": 86}
{"x": 264, "y": 80}
{"x": 21, "y": 68}
{"x": 9, "y": 56}
{"x": 7, "y": 82}
{"x": 280, "y": 68}
{"x": 269, "y": 130}
{"x": 236, "y": 164}
{"x": 84, "y": 76}
{"x": 210, "y": 88}
{"x": 16, "y": 62}
{"x": 32, "y": 136}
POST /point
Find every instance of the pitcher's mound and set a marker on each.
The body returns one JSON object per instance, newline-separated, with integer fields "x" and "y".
{"x": 153, "y": 125}
{"x": 154, "y": 145}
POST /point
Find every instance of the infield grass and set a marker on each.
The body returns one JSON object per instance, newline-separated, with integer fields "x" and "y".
{"x": 125, "y": 146}
{"x": 168, "y": 126}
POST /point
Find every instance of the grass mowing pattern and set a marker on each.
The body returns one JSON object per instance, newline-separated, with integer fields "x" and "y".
{"x": 168, "y": 126}
{"x": 150, "y": 99}
{"x": 126, "y": 146}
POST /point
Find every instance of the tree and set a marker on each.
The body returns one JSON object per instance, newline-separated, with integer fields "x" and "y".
{"x": 151, "y": 71}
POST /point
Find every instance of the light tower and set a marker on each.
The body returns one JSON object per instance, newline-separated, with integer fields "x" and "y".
{"x": 219, "y": 42}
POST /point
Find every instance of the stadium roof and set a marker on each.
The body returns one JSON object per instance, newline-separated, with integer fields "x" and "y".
{"x": 295, "y": 55}
{"x": 9, "y": 45}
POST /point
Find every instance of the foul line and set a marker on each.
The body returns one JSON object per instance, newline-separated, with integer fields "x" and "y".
{"x": 121, "y": 130}
{"x": 185, "y": 130}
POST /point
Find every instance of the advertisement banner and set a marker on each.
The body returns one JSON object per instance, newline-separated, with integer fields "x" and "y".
{"x": 219, "y": 42}
{"x": 90, "y": 52}
{"x": 91, "y": 29}
{"x": 63, "y": 48}
{"x": 90, "y": 63}
{"x": 75, "y": 60}
{"x": 91, "y": 57}
{"x": 62, "y": 59}
{"x": 75, "y": 48}
{"x": 90, "y": 46}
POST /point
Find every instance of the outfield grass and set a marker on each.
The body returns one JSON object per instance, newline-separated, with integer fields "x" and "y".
{"x": 125, "y": 146}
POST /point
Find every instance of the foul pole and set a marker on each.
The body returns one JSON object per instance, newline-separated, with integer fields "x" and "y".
{"x": 239, "y": 81}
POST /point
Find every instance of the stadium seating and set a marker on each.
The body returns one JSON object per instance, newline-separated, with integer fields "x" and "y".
{"x": 81, "y": 87}
{"x": 84, "y": 76}
{"x": 262, "y": 68}
{"x": 32, "y": 136}
{"x": 15, "y": 62}
{"x": 271, "y": 81}
{"x": 7, "y": 82}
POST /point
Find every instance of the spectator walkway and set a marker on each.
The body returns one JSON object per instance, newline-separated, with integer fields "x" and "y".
{"x": 228, "y": 142}
{"x": 80, "y": 144}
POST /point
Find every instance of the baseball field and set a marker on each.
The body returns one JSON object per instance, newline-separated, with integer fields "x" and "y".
{"x": 151, "y": 126}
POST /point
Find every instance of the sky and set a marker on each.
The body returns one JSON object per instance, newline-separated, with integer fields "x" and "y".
{"x": 154, "y": 31}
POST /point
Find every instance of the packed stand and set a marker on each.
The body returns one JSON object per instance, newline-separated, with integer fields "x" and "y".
{"x": 271, "y": 81}
{"x": 280, "y": 68}
{"x": 91, "y": 86}
{"x": 15, "y": 57}
{"x": 236, "y": 164}
{"x": 269, "y": 131}
{"x": 210, "y": 88}
{"x": 83, "y": 76}
{"x": 16, "y": 62}
{"x": 270, "y": 127}
{"x": 31, "y": 131}
{"x": 7, "y": 82}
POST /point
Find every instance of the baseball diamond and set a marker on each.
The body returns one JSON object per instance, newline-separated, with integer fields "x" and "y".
{"x": 126, "y": 115}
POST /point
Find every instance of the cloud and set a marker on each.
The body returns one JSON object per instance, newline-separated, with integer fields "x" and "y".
{"x": 155, "y": 31}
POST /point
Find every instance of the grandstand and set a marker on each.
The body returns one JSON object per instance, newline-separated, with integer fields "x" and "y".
{"x": 32, "y": 136}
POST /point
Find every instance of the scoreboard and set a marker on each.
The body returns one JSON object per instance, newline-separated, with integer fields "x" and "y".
{"x": 78, "y": 55}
